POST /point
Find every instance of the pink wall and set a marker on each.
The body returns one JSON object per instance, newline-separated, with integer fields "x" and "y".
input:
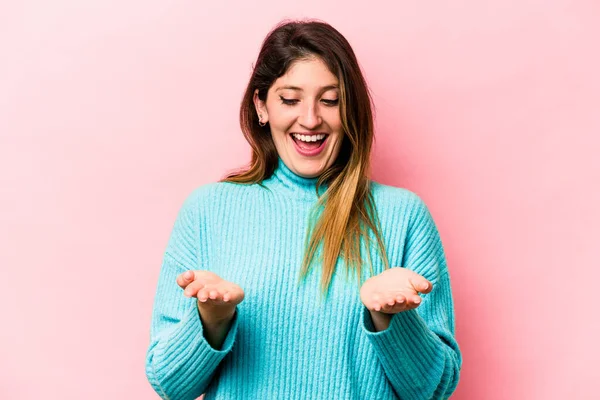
{"x": 112, "y": 112}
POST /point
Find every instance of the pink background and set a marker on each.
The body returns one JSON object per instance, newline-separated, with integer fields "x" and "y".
{"x": 112, "y": 112}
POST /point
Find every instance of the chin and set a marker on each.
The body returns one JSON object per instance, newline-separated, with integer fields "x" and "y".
{"x": 309, "y": 169}
{"x": 309, "y": 174}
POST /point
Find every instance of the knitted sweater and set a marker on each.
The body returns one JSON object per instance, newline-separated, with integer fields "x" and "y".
{"x": 284, "y": 343}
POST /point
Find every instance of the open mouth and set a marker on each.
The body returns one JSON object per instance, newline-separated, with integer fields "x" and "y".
{"x": 309, "y": 145}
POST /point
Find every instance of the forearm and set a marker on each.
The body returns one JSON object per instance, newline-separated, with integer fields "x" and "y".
{"x": 215, "y": 327}
{"x": 418, "y": 363}
{"x": 180, "y": 361}
{"x": 381, "y": 321}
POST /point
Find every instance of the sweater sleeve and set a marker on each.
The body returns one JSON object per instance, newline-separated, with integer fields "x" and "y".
{"x": 180, "y": 363}
{"x": 418, "y": 351}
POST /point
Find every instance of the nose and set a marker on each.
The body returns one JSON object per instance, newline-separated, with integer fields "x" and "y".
{"x": 309, "y": 117}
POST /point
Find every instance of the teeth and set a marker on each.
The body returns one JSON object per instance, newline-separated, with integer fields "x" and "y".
{"x": 311, "y": 138}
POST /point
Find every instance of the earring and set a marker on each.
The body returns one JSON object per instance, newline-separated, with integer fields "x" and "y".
{"x": 260, "y": 120}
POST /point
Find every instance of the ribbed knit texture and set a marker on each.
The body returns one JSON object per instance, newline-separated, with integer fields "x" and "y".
{"x": 284, "y": 343}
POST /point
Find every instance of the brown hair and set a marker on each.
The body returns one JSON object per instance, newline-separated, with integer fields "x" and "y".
{"x": 346, "y": 211}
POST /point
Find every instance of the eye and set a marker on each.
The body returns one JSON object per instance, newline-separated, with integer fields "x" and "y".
{"x": 288, "y": 102}
{"x": 331, "y": 102}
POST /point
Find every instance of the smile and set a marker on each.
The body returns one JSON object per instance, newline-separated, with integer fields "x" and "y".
{"x": 309, "y": 144}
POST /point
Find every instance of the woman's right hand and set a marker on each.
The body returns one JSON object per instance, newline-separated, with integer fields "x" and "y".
{"x": 217, "y": 298}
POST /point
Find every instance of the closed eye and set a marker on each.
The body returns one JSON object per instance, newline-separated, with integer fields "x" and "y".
{"x": 291, "y": 102}
{"x": 288, "y": 102}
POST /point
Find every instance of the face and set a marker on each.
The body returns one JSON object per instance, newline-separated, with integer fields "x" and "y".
{"x": 302, "y": 109}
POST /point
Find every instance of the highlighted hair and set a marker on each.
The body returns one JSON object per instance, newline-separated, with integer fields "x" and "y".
{"x": 345, "y": 214}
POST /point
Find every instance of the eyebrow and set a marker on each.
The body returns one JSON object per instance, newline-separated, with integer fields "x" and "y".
{"x": 323, "y": 89}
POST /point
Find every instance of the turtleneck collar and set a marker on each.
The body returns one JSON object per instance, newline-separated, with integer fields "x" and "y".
{"x": 298, "y": 186}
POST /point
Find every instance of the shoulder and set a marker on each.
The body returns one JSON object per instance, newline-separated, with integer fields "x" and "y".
{"x": 209, "y": 191}
{"x": 215, "y": 193}
{"x": 397, "y": 199}
{"x": 199, "y": 195}
{"x": 401, "y": 207}
{"x": 388, "y": 192}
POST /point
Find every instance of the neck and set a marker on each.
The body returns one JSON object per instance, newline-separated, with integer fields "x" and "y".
{"x": 293, "y": 184}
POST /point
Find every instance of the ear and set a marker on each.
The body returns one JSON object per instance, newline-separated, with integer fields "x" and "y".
{"x": 261, "y": 108}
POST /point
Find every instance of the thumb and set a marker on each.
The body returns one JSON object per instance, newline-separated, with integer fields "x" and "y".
{"x": 189, "y": 275}
{"x": 185, "y": 279}
{"x": 421, "y": 285}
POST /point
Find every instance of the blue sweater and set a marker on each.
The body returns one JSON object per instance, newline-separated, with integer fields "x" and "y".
{"x": 284, "y": 342}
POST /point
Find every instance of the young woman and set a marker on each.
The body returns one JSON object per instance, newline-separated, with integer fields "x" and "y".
{"x": 299, "y": 277}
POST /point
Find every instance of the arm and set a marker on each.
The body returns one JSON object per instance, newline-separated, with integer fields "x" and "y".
{"x": 180, "y": 362}
{"x": 417, "y": 350}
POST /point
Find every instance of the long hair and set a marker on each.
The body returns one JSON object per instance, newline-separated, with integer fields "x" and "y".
{"x": 346, "y": 212}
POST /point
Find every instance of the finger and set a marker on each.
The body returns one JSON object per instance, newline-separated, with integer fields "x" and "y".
{"x": 416, "y": 300}
{"x": 214, "y": 294}
{"x": 397, "y": 307}
{"x": 388, "y": 304}
{"x": 192, "y": 289}
{"x": 377, "y": 302}
{"x": 390, "y": 301}
{"x": 226, "y": 296}
{"x": 400, "y": 299}
{"x": 421, "y": 285}
{"x": 400, "y": 307}
{"x": 184, "y": 279}
{"x": 203, "y": 295}
{"x": 426, "y": 286}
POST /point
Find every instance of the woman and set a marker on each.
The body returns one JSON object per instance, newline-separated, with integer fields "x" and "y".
{"x": 300, "y": 277}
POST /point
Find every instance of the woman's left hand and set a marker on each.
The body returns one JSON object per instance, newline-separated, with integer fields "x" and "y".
{"x": 394, "y": 290}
